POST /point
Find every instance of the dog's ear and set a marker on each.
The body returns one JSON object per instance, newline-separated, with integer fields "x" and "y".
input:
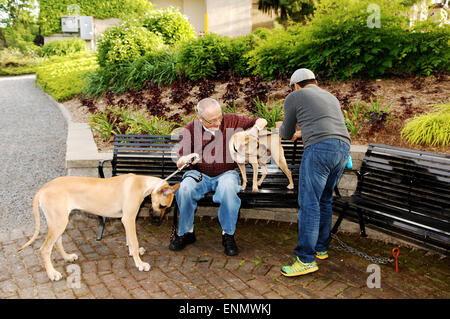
{"x": 167, "y": 190}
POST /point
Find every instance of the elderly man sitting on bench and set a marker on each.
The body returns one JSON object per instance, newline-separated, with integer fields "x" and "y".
{"x": 206, "y": 139}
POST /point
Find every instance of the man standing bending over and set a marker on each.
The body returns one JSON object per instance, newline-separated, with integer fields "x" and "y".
{"x": 327, "y": 146}
{"x": 206, "y": 138}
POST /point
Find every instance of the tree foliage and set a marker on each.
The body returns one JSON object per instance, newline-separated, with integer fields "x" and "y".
{"x": 295, "y": 10}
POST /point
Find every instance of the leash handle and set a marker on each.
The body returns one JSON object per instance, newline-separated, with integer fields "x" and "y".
{"x": 395, "y": 253}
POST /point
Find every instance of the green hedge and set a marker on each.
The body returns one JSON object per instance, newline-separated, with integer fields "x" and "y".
{"x": 124, "y": 43}
{"x": 171, "y": 25}
{"x": 64, "y": 47}
{"x": 211, "y": 54}
{"x": 51, "y": 11}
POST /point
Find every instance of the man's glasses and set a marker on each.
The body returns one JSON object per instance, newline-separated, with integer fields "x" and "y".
{"x": 214, "y": 121}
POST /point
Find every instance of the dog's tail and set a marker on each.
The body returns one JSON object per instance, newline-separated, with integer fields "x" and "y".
{"x": 36, "y": 219}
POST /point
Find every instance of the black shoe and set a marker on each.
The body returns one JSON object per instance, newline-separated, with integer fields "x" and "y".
{"x": 228, "y": 242}
{"x": 181, "y": 241}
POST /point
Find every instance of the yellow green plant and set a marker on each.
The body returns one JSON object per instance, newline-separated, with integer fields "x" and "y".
{"x": 63, "y": 77}
{"x": 431, "y": 129}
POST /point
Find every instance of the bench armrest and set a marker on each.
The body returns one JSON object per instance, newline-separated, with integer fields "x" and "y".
{"x": 100, "y": 168}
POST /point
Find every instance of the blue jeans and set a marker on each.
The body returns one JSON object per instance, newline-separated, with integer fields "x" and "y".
{"x": 321, "y": 168}
{"x": 226, "y": 187}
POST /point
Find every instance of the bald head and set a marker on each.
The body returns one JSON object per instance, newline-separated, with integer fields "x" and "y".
{"x": 208, "y": 105}
{"x": 210, "y": 113}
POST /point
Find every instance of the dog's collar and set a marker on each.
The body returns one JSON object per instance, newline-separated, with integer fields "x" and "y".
{"x": 234, "y": 147}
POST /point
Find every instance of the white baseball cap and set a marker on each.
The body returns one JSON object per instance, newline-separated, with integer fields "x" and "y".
{"x": 302, "y": 75}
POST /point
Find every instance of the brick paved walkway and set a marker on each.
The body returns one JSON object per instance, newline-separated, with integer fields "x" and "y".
{"x": 202, "y": 270}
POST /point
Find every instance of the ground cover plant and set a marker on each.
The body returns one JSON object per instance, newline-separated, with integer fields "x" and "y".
{"x": 64, "y": 77}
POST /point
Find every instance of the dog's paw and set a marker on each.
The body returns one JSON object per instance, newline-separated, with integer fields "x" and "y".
{"x": 54, "y": 275}
{"x": 243, "y": 187}
{"x": 71, "y": 257}
{"x": 290, "y": 186}
{"x": 143, "y": 267}
{"x": 255, "y": 190}
{"x": 141, "y": 251}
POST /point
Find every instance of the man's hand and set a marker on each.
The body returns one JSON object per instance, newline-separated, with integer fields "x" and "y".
{"x": 253, "y": 131}
{"x": 185, "y": 159}
{"x": 297, "y": 135}
{"x": 278, "y": 125}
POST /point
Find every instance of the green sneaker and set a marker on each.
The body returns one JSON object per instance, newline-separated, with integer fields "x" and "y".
{"x": 322, "y": 255}
{"x": 299, "y": 268}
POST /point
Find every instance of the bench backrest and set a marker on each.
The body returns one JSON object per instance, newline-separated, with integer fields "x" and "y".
{"x": 156, "y": 155}
{"x": 411, "y": 181}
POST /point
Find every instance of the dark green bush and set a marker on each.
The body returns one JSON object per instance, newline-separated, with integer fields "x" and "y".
{"x": 424, "y": 50}
{"x": 205, "y": 56}
{"x": 273, "y": 55}
{"x": 339, "y": 43}
{"x": 240, "y": 49}
{"x": 343, "y": 46}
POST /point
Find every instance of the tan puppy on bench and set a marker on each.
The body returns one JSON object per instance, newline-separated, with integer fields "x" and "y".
{"x": 246, "y": 148}
{"x": 116, "y": 197}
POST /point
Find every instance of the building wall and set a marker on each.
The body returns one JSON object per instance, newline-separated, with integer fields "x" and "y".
{"x": 230, "y": 17}
{"x": 195, "y": 11}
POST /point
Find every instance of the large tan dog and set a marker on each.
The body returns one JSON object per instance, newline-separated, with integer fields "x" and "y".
{"x": 119, "y": 196}
{"x": 245, "y": 148}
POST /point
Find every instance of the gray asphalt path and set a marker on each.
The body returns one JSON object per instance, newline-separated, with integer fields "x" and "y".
{"x": 32, "y": 148}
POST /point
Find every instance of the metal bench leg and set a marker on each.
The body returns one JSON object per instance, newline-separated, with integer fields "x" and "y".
{"x": 337, "y": 223}
{"x": 339, "y": 220}
{"x": 102, "y": 226}
{"x": 362, "y": 225}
